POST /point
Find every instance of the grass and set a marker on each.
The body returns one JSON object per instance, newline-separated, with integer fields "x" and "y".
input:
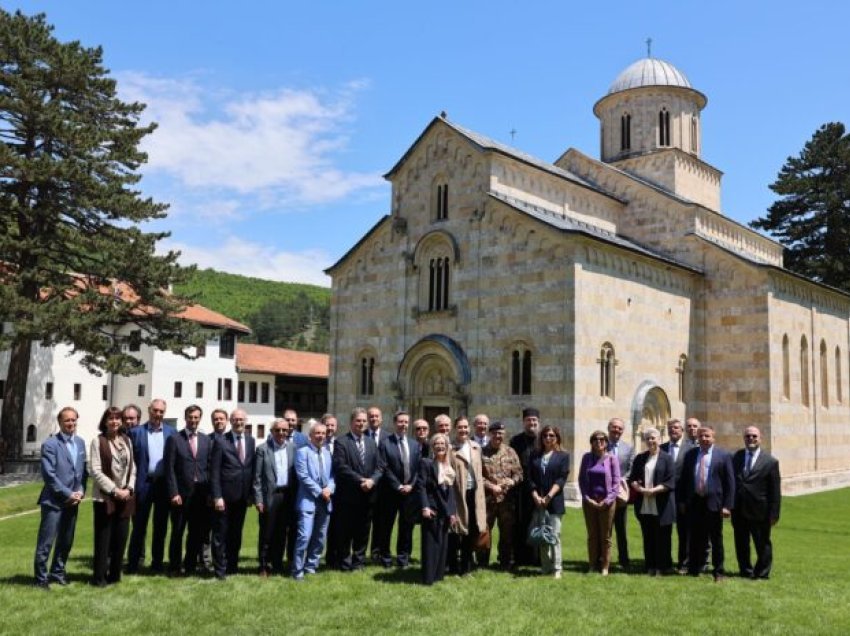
{"x": 19, "y": 499}
{"x": 805, "y": 595}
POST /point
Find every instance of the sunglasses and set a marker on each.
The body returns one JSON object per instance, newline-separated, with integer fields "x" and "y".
{"x": 751, "y": 436}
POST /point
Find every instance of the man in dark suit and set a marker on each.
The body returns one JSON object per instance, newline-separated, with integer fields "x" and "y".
{"x": 421, "y": 433}
{"x": 357, "y": 472}
{"x": 399, "y": 456}
{"x": 707, "y": 488}
{"x": 63, "y": 468}
{"x": 231, "y": 483}
{"x": 274, "y": 497}
{"x": 331, "y": 560}
{"x": 218, "y": 418}
{"x": 523, "y": 443}
{"x": 375, "y": 430}
{"x": 151, "y": 489}
{"x": 757, "y": 501}
{"x": 676, "y": 448}
{"x": 187, "y": 462}
{"x": 625, "y": 454}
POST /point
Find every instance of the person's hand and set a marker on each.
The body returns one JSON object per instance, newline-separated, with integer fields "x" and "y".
{"x": 219, "y": 505}
{"x": 726, "y": 513}
{"x": 176, "y": 500}
{"x": 427, "y": 513}
{"x": 326, "y": 494}
{"x": 366, "y": 485}
{"x": 637, "y": 487}
{"x": 405, "y": 489}
{"x": 260, "y": 508}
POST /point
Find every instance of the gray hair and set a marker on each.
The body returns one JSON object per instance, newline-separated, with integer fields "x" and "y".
{"x": 650, "y": 431}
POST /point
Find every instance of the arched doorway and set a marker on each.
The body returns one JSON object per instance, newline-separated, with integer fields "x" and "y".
{"x": 650, "y": 409}
{"x": 433, "y": 378}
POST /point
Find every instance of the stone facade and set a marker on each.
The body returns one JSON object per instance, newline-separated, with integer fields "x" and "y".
{"x": 590, "y": 289}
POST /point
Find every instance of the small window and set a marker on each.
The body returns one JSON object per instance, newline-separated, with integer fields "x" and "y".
{"x": 804, "y": 371}
{"x": 31, "y": 433}
{"x": 104, "y": 392}
{"x": 78, "y": 391}
{"x": 178, "y": 389}
{"x": 626, "y": 132}
{"x": 786, "y": 368}
{"x": 135, "y": 341}
{"x": 261, "y": 430}
{"x": 240, "y": 391}
{"x": 199, "y": 389}
{"x": 607, "y": 362}
{"x": 839, "y": 397}
{"x": 249, "y": 429}
{"x": 252, "y": 392}
{"x": 824, "y": 376}
{"x": 228, "y": 389}
{"x": 48, "y": 391}
{"x": 681, "y": 370}
{"x": 227, "y": 345}
{"x": 694, "y": 135}
{"x": 264, "y": 392}
{"x": 664, "y": 127}
{"x": 141, "y": 390}
{"x": 201, "y": 350}
{"x": 521, "y": 372}
{"x": 219, "y": 391}
{"x": 438, "y": 284}
{"x": 367, "y": 376}
{"x": 441, "y": 202}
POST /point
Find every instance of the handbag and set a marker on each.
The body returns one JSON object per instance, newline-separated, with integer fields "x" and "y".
{"x": 623, "y": 494}
{"x": 483, "y": 541}
{"x": 540, "y": 532}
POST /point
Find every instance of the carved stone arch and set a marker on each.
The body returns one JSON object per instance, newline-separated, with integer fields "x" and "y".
{"x": 436, "y": 239}
{"x": 434, "y": 373}
{"x": 650, "y": 409}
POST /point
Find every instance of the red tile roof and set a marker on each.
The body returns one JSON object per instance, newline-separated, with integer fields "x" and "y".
{"x": 251, "y": 358}
{"x": 210, "y": 318}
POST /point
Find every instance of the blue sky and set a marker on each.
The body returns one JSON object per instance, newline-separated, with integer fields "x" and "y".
{"x": 278, "y": 119}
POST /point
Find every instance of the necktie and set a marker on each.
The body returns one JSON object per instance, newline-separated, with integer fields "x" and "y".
{"x": 674, "y": 446}
{"x": 321, "y": 468}
{"x": 748, "y": 466}
{"x": 361, "y": 449}
{"x": 701, "y": 478}
{"x": 405, "y": 458}
{"x": 240, "y": 449}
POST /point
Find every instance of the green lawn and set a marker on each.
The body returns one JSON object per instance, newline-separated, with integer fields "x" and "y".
{"x": 807, "y": 593}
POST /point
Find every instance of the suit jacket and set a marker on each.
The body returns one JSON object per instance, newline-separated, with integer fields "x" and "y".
{"x": 393, "y": 468}
{"x": 556, "y": 473}
{"x": 440, "y": 499}
{"x": 349, "y": 470}
{"x": 311, "y": 478}
{"x": 230, "y": 479}
{"x": 63, "y": 474}
{"x": 719, "y": 483}
{"x": 684, "y": 447}
{"x": 139, "y": 437}
{"x": 665, "y": 475}
{"x": 462, "y": 470}
{"x": 625, "y": 455}
{"x": 265, "y": 471}
{"x": 182, "y": 469}
{"x": 758, "y": 494}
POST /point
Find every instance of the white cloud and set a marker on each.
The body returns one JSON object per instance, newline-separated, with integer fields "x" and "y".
{"x": 280, "y": 147}
{"x": 239, "y": 256}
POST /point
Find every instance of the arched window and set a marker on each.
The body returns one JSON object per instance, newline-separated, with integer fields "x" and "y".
{"x": 694, "y": 134}
{"x": 521, "y": 371}
{"x": 680, "y": 370}
{"x": 804, "y": 371}
{"x": 664, "y": 127}
{"x": 438, "y": 284}
{"x": 786, "y": 368}
{"x": 607, "y": 362}
{"x": 441, "y": 201}
{"x": 839, "y": 397}
{"x": 31, "y": 433}
{"x": 366, "y": 376}
{"x": 824, "y": 376}
{"x": 626, "y": 132}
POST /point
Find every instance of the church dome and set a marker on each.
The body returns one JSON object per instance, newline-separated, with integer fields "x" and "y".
{"x": 649, "y": 71}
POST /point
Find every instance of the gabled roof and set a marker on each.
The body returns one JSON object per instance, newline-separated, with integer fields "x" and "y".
{"x": 362, "y": 240}
{"x": 571, "y": 225}
{"x": 484, "y": 143}
{"x": 210, "y": 318}
{"x": 252, "y": 358}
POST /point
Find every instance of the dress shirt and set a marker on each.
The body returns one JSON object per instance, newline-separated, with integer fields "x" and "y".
{"x": 71, "y": 445}
{"x": 647, "y": 506}
{"x": 281, "y": 465}
{"x": 707, "y": 454}
{"x": 156, "y": 447}
{"x": 750, "y": 461}
{"x": 675, "y": 449}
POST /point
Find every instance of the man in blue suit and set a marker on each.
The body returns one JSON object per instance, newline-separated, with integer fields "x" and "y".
{"x": 707, "y": 496}
{"x": 399, "y": 456}
{"x": 63, "y": 468}
{"x": 313, "y": 502}
{"x": 151, "y": 489}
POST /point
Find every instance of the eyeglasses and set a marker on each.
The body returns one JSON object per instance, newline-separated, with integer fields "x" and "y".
{"x": 599, "y": 439}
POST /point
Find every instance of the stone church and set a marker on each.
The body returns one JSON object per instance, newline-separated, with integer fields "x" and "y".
{"x": 591, "y": 288}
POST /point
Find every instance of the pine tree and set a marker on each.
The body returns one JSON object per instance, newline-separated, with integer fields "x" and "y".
{"x": 70, "y": 216}
{"x": 812, "y": 217}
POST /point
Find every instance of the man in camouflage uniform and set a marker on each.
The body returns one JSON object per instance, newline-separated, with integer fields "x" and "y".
{"x": 502, "y": 471}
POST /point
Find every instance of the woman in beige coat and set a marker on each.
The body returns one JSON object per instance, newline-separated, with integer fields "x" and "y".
{"x": 469, "y": 495}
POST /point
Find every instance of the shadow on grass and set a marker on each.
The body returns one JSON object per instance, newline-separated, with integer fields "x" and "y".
{"x": 28, "y": 580}
{"x": 399, "y": 575}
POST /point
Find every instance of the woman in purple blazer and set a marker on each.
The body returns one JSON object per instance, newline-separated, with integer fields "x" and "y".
{"x": 598, "y": 481}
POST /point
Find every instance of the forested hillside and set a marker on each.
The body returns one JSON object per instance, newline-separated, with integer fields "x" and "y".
{"x": 280, "y": 314}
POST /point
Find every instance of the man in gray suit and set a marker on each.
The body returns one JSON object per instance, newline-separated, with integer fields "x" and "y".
{"x": 625, "y": 454}
{"x": 676, "y": 446}
{"x": 274, "y": 496}
{"x": 63, "y": 468}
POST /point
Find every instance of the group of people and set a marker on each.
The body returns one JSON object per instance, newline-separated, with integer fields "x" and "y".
{"x": 318, "y": 493}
